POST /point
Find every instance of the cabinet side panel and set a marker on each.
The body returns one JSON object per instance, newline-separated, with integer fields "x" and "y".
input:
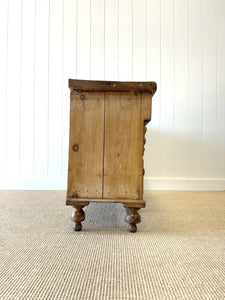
{"x": 146, "y": 105}
{"x": 86, "y": 145}
{"x": 122, "y": 154}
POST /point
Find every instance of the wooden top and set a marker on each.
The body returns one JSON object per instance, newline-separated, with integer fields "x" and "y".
{"x": 112, "y": 86}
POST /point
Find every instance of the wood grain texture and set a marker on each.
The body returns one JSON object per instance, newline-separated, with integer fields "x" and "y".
{"x": 107, "y": 132}
{"x": 145, "y": 118}
{"x": 47, "y": 42}
{"x": 113, "y": 86}
{"x": 86, "y": 145}
{"x": 132, "y": 218}
{"x": 107, "y": 137}
{"x": 126, "y": 202}
{"x": 122, "y": 159}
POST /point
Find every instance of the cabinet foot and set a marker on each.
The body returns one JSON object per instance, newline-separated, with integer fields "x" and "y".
{"x": 78, "y": 216}
{"x": 132, "y": 218}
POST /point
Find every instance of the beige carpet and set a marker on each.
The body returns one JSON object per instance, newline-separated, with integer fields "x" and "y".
{"x": 177, "y": 253}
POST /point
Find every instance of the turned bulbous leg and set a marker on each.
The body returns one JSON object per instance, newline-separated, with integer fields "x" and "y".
{"x": 77, "y": 217}
{"x": 132, "y": 218}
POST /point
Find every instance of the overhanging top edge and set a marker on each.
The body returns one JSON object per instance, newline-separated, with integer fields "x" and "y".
{"x": 113, "y": 86}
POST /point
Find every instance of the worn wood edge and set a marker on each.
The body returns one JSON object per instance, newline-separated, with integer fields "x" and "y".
{"x": 113, "y": 86}
{"x": 126, "y": 202}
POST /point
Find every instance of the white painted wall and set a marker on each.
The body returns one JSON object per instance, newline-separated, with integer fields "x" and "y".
{"x": 180, "y": 44}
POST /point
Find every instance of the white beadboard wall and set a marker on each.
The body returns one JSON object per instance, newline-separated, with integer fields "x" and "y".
{"x": 180, "y": 44}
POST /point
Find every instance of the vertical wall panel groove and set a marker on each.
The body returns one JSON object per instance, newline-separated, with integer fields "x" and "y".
{"x": 167, "y": 89}
{"x": 188, "y": 88}
{"x": 132, "y": 39}
{"x": 181, "y": 156}
{"x": 118, "y": 54}
{"x": 62, "y": 94}
{"x": 216, "y": 86}
{"x": 97, "y": 39}
{"x": 20, "y": 79}
{"x": 83, "y": 39}
{"x": 125, "y": 40}
{"x": 90, "y": 35}
{"x": 48, "y": 105}
{"x": 202, "y": 84}
{"x": 220, "y": 88}
{"x": 69, "y": 69}
{"x": 111, "y": 45}
{"x": 174, "y": 74}
{"x": 180, "y": 44}
{"x": 4, "y": 11}
{"x": 76, "y": 32}
{"x": 55, "y": 89}
{"x": 152, "y": 156}
{"x": 104, "y": 45}
{"x": 209, "y": 88}
{"x": 13, "y": 89}
{"x": 27, "y": 88}
{"x": 146, "y": 39}
{"x": 34, "y": 89}
{"x": 48, "y": 109}
{"x": 138, "y": 40}
{"x": 41, "y": 75}
{"x": 195, "y": 89}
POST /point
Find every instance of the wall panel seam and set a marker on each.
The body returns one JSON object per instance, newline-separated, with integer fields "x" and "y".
{"x": 34, "y": 86}
{"x": 76, "y": 33}
{"x": 118, "y": 37}
{"x": 160, "y": 86}
{"x": 174, "y": 89}
{"x": 188, "y": 82}
{"x": 90, "y": 39}
{"x": 216, "y": 94}
{"x": 132, "y": 40}
{"x": 6, "y": 84}
{"x": 104, "y": 45}
{"x": 48, "y": 127}
{"x": 20, "y": 83}
{"x": 62, "y": 91}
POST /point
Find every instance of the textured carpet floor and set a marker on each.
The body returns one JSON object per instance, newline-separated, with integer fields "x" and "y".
{"x": 177, "y": 253}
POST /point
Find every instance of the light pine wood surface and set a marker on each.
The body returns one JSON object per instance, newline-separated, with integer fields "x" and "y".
{"x": 86, "y": 145}
{"x": 107, "y": 136}
{"x": 122, "y": 157}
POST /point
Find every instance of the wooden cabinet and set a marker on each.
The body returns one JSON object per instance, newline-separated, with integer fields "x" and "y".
{"x": 107, "y": 136}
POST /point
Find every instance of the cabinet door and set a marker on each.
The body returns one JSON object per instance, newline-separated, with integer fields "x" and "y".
{"x": 123, "y": 164}
{"x": 86, "y": 145}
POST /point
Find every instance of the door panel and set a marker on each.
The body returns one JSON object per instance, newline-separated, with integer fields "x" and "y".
{"x": 86, "y": 145}
{"x": 146, "y": 105}
{"x": 123, "y": 146}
